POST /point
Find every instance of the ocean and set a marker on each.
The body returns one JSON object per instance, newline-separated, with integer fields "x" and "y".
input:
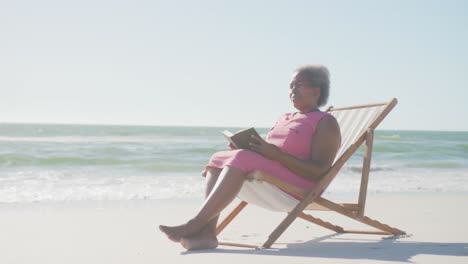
{"x": 45, "y": 162}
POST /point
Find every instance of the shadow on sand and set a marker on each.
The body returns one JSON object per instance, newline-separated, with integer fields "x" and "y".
{"x": 387, "y": 249}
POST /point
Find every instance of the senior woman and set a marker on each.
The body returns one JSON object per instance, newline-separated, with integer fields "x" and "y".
{"x": 299, "y": 149}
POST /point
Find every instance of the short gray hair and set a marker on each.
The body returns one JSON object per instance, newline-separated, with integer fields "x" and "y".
{"x": 317, "y": 75}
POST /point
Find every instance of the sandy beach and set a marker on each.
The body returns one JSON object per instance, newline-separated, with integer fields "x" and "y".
{"x": 111, "y": 110}
{"x": 126, "y": 232}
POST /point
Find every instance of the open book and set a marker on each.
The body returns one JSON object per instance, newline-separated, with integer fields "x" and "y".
{"x": 242, "y": 138}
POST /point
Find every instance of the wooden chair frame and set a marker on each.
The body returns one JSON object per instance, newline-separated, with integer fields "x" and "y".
{"x": 312, "y": 200}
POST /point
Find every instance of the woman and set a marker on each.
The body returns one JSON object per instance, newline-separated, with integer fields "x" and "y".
{"x": 299, "y": 149}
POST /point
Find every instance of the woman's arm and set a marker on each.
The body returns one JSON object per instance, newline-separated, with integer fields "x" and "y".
{"x": 325, "y": 144}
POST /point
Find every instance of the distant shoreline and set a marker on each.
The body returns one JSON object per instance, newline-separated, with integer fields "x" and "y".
{"x": 197, "y": 126}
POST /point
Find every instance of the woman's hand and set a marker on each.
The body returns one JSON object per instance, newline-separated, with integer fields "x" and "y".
{"x": 260, "y": 146}
{"x": 231, "y": 146}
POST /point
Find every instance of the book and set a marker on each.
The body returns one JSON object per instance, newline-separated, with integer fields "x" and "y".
{"x": 242, "y": 138}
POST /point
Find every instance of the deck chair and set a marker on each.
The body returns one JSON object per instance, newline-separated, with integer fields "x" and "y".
{"x": 357, "y": 124}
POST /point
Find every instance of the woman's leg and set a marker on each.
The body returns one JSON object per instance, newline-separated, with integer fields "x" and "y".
{"x": 211, "y": 179}
{"x": 206, "y": 238}
{"x": 227, "y": 186}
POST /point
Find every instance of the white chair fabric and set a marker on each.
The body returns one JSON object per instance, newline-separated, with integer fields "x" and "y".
{"x": 353, "y": 123}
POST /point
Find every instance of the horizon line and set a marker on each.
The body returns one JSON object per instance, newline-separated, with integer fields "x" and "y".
{"x": 194, "y": 126}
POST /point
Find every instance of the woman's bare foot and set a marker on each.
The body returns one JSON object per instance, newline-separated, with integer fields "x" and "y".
{"x": 175, "y": 233}
{"x": 202, "y": 240}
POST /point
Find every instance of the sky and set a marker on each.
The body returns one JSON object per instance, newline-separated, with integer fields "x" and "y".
{"x": 229, "y": 63}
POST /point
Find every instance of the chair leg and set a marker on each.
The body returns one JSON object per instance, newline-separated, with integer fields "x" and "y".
{"x": 322, "y": 223}
{"x": 365, "y": 220}
{"x": 376, "y": 224}
{"x": 279, "y": 230}
{"x": 230, "y": 217}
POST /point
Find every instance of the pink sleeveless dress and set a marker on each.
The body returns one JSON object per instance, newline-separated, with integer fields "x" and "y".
{"x": 292, "y": 133}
